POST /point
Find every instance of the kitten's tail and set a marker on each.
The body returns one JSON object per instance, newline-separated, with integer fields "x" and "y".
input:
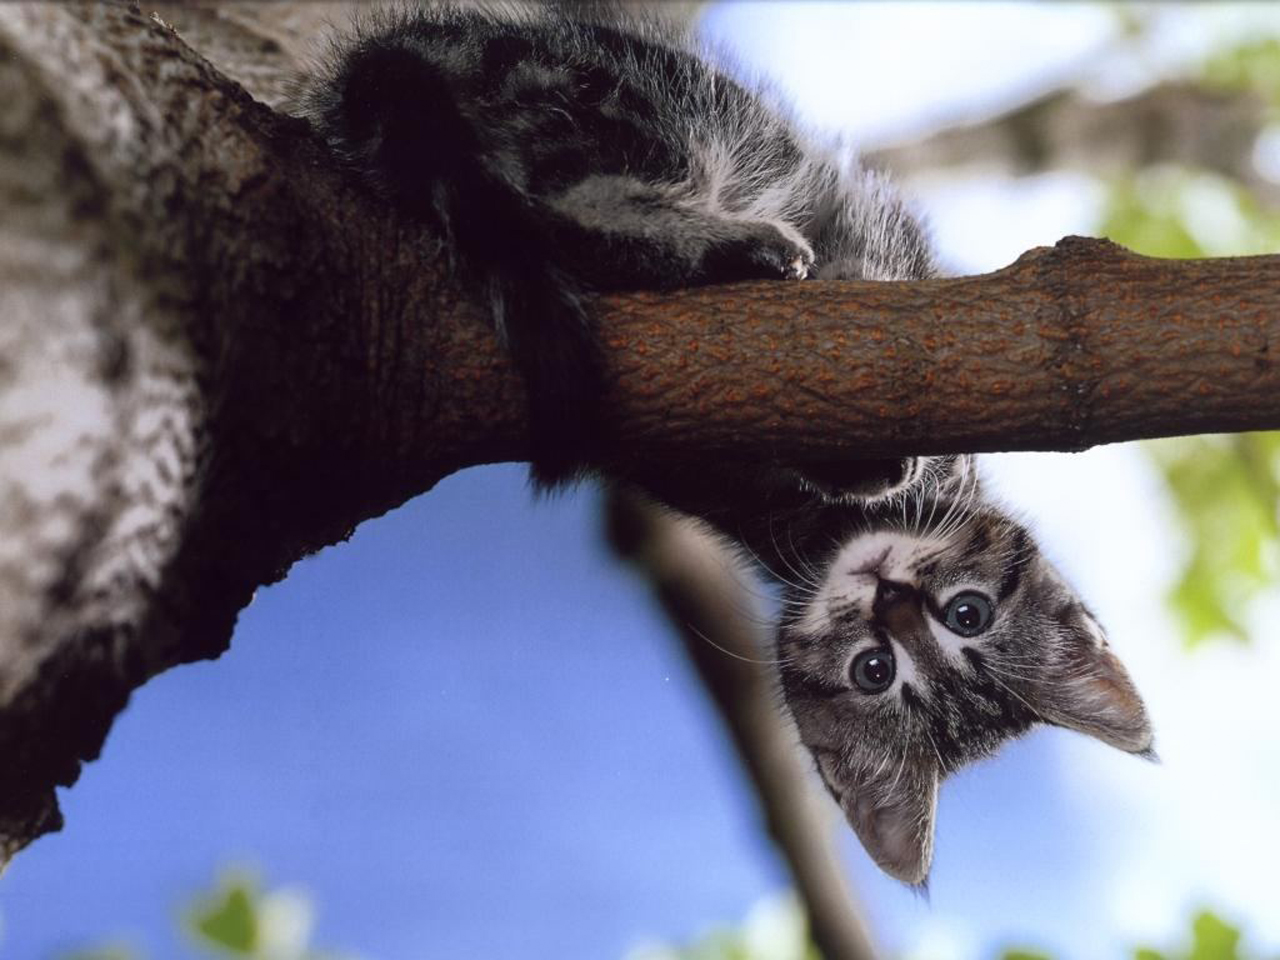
{"x": 397, "y": 117}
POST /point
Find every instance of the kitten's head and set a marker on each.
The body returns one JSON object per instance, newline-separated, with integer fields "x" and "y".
{"x": 934, "y": 632}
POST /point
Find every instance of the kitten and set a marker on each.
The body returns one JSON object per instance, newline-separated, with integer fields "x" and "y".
{"x": 920, "y": 632}
{"x": 571, "y": 149}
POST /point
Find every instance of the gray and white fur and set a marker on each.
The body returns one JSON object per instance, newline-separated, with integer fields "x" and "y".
{"x": 573, "y": 148}
{"x": 568, "y": 149}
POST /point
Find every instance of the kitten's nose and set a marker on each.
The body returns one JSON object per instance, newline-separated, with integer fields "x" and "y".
{"x": 890, "y": 593}
{"x": 897, "y": 607}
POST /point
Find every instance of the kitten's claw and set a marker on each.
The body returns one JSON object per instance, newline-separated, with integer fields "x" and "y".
{"x": 780, "y": 250}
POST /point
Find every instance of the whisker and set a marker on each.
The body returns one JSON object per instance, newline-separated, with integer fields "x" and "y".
{"x": 784, "y": 558}
{"x": 937, "y": 753}
{"x": 804, "y": 589}
{"x": 735, "y": 654}
{"x": 1009, "y": 690}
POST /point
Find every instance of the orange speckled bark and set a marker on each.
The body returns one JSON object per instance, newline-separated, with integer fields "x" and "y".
{"x": 1074, "y": 345}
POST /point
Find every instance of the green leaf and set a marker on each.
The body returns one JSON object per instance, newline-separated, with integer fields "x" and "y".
{"x": 1024, "y": 955}
{"x": 1225, "y": 491}
{"x": 229, "y": 920}
{"x": 1173, "y": 212}
{"x": 1143, "y": 214}
{"x": 1146, "y": 953}
{"x": 1213, "y": 938}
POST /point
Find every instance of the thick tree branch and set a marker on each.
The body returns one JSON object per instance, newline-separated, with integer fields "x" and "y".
{"x": 218, "y": 355}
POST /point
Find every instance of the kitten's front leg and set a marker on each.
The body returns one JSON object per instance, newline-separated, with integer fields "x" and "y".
{"x": 752, "y": 249}
{"x": 841, "y": 481}
{"x": 621, "y": 232}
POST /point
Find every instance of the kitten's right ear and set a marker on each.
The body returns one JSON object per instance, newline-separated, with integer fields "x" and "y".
{"x": 892, "y": 813}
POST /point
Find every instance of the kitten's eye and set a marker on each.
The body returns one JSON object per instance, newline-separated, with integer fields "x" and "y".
{"x": 968, "y": 614}
{"x": 872, "y": 670}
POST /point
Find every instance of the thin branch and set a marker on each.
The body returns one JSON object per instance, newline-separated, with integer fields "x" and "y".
{"x": 700, "y": 587}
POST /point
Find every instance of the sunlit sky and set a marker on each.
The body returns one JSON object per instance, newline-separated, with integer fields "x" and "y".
{"x": 466, "y": 732}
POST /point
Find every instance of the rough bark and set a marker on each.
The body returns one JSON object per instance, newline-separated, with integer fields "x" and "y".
{"x": 217, "y": 355}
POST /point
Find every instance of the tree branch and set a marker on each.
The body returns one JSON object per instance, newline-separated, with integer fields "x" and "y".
{"x": 1176, "y": 122}
{"x": 219, "y": 355}
{"x": 712, "y": 610}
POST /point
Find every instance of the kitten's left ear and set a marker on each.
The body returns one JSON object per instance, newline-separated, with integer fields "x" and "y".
{"x": 1087, "y": 688}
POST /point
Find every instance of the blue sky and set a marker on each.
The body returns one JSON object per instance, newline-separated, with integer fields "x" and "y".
{"x": 466, "y": 732}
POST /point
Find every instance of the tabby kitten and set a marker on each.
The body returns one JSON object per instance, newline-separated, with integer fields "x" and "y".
{"x": 572, "y": 148}
{"x": 569, "y": 149}
{"x": 920, "y": 632}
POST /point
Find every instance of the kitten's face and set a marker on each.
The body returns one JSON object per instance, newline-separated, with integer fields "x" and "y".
{"x": 937, "y": 631}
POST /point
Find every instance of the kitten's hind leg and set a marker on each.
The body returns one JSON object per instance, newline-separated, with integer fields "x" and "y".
{"x": 623, "y": 232}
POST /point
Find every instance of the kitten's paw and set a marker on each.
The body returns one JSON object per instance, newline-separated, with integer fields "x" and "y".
{"x": 863, "y": 480}
{"x": 784, "y": 252}
{"x": 762, "y": 250}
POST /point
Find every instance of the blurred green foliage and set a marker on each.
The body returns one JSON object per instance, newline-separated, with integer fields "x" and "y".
{"x": 1173, "y": 212}
{"x": 775, "y": 929}
{"x": 239, "y": 921}
{"x": 1212, "y": 938}
{"x": 1251, "y": 67}
{"x": 229, "y": 919}
{"x": 1225, "y": 489}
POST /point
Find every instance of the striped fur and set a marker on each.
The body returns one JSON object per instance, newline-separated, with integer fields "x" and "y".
{"x": 884, "y": 583}
{"x": 573, "y": 148}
